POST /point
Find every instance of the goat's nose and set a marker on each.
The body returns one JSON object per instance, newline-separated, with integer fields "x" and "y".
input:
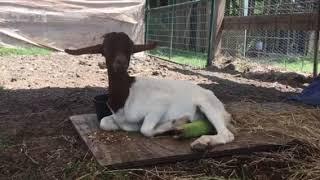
{"x": 121, "y": 59}
{"x": 120, "y": 63}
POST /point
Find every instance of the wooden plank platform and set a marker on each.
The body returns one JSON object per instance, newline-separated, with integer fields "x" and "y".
{"x": 128, "y": 150}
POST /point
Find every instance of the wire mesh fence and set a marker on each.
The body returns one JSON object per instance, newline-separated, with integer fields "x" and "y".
{"x": 269, "y": 7}
{"x": 181, "y": 28}
{"x": 287, "y": 49}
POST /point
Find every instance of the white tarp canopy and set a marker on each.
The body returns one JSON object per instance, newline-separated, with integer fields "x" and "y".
{"x": 61, "y": 24}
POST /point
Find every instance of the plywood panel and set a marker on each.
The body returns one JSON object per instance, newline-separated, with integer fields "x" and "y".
{"x": 133, "y": 150}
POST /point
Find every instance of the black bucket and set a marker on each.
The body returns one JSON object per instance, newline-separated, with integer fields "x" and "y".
{"x": 100, "y": 103}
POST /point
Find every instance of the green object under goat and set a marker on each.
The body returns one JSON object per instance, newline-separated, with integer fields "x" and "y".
{"x": 195, "y": 129}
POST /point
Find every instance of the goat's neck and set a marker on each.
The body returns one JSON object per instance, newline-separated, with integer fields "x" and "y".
{"x": 119, "y": 85}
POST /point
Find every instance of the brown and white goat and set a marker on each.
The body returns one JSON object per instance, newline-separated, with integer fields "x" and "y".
{"x": 149, "y": 105}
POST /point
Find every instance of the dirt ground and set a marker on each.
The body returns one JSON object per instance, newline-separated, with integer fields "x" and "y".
{"x": 39, "y": 93}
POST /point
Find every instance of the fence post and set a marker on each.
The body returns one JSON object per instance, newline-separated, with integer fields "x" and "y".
{"x": 171, "y": 33}
{"x": 146, "y": 21}
{"x": 316, "y": 45}
{"x": 215, "y": 34}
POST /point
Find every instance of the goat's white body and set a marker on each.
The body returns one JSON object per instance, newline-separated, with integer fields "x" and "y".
{"x": 153, "y": 105}
{"x": 176, "y": 98}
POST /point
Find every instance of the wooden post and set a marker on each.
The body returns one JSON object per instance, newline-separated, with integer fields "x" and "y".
{"x": 146, "y": 21}
{"x": 315, "y": 56}
{"x": 211, "y": 34}
{"x": 219, "y": 8}
{"x": 215, "y": 32}
{"x": 198, "y": 35}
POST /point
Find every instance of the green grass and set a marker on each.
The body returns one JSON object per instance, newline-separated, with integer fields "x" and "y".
{"x": 296, "y": 64}
{"x": 4, "y": 51}
{"x": 181, "y": 57}
{"x": 293, "y": 64}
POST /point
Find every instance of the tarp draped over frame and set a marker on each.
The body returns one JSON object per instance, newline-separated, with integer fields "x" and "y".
{"x": 61, "y": 24}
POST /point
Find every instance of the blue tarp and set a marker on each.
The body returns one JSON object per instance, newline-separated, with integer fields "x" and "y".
{"x": 311, "y": 94}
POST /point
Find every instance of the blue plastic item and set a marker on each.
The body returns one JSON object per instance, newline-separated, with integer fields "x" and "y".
{"x": 311, "y": 94}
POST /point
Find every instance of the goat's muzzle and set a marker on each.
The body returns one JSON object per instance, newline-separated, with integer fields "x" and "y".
{"x": 121, "y": 63}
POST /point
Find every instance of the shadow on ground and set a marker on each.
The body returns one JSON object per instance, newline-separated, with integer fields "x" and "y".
{"x": 38, "y": 141}
{"x": 230, "y": 91}
{"x": 292, "y": 79}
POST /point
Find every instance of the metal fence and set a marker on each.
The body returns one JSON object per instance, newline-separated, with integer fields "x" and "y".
{"x": 288, "y": 49}
{"x": 181, "y": 28}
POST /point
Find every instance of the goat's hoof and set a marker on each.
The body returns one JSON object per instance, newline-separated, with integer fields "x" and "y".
{"x": 147, "y": 134}
{"x": 201, "y": 144}
{"x": 199, "y": 147}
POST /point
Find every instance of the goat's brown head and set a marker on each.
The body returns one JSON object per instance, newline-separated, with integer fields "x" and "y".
{"x": 117, "y": 48}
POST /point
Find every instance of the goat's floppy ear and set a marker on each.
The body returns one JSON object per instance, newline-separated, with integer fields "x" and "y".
{"x": 97, "y": 49}
{"x": 143, "y": 47}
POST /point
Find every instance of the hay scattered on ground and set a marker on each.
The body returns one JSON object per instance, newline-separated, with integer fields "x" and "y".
{"x": 296, "y": 121}
{"x": 110, "y": 137}
{"x": 301, "y": 161}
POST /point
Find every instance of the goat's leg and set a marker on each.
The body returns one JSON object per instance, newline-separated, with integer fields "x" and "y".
{"x": 149, "y": 123}
{"x": 107, "y": 123}
{"x": 163, "y": 128}
{"x": 126, "y": 126}
{"x": 151, "y": 120}
{"x": 122, "y": 122}
{"x": 218, "y": 119}
{"x": 171, "y": 125}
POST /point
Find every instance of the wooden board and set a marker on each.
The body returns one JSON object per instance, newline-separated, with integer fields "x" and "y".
{"x": 140, "y": 151}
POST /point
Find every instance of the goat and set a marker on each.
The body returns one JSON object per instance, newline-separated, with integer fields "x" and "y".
{"x": 152, "y": 106}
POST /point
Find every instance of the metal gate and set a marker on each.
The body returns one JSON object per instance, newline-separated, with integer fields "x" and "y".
{"x": 182, "y": 29}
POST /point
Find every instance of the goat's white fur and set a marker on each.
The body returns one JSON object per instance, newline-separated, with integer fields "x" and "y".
{"x": 154, "y": 104}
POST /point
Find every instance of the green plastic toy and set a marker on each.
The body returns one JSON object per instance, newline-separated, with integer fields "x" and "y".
{"x": 195, "y": 129}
